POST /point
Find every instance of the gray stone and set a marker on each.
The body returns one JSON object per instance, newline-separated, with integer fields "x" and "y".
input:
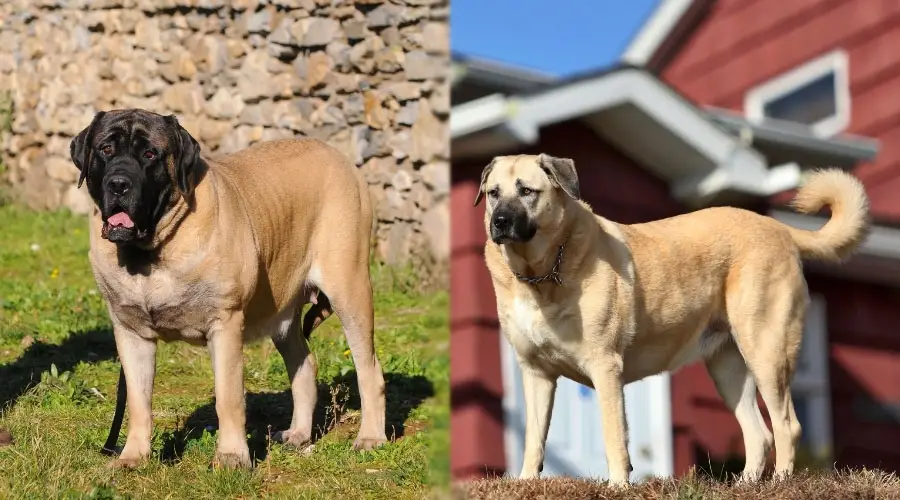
{"x": 185, "y": 97}
{"x": 420, "y": 66}
{"x": 78, "y": 201}
{"x": 224, "y": 105}
{"x": 436, "y": 38}
{"x": 315, "y": 32}
{"x": 436, "y": 177}
{"x": 354, "y": 109}
{"x": 436, "y": 226}
{"x": 402, "y": 180}
{"x": 147, "y": 34}
{"x": 403, "y": 91}
{"x": 61, "y": 169}
{"x": 408, "y": 113}
{"x": 258, "y": 22}
{"x": 254, "y": 81}
{"x": 384, "y": 15}
{"x": 355, "y": 30}
{"x": 257, "y": 114}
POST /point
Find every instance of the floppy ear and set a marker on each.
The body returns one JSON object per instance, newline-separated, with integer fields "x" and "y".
{"x": 183, "y": 163}
{"x": 80, "y": 149}
{"x": 562, "y": 173}
{"x": 484, "y": 176}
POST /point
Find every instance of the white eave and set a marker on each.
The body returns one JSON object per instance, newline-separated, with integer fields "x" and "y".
{"x": 655, "y": 30}
{"x": 642, "y": 117}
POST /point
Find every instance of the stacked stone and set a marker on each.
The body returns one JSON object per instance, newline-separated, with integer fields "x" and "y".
{"x": 367, "y": 76}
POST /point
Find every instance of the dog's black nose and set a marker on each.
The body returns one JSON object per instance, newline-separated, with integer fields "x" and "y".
{"x": 501, "y": 221}
{"x": 118, "y": 185}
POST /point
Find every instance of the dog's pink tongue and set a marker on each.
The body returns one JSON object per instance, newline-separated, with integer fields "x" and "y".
{"x": 121, "y": 219}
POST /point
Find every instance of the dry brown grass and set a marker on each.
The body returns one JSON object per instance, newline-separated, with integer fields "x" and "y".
{"x": 867, "y": 484}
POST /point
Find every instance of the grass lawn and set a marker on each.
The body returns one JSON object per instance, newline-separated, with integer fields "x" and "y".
{"x": 58, "y": 373}
{"x": 869, "y": 484}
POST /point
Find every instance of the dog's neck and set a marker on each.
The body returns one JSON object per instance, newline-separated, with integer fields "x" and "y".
{"x": 539, "y": 260}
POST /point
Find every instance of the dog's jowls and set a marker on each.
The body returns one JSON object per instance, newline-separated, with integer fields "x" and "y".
{"x": 722, "y": 285}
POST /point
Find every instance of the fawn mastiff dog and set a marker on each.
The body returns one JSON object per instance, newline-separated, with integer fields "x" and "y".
{"x": 221, "y": 253}
{"x": 605, "y": 304}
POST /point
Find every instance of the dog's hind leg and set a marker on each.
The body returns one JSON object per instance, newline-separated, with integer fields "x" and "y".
{"x": 347, "y": 285}
{"x": 768, "y": 327}
{"x": 302, "y": 368}
{"x": 738, "y": 388}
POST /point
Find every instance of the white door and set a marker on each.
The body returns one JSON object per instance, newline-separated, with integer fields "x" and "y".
{"x": 575, "y": 442}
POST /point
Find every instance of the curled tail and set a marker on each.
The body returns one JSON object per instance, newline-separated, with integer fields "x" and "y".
{"x": 849, "y": 222}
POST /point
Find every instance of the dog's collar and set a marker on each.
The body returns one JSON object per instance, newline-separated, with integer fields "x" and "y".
{"x": 553, "y": 275}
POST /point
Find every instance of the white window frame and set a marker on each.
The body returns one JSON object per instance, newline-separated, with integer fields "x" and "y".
{"x": 812, "y": 383}
{"x": 836, "y": 62}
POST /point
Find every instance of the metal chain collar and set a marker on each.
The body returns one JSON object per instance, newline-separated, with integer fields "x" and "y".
{"x": 552, "y": 275}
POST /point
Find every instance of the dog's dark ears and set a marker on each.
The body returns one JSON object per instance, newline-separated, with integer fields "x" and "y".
{"x": 484, "y": 176}
{"x": 562, "y": 173}
{"x": 81, "y": 148}
{"x": 184, "y": 160}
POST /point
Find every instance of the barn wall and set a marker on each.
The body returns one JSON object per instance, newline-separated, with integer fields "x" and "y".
{"x": 742, "y": 43}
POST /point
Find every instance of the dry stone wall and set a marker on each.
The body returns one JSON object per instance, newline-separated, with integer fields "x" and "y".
{"x": 368, "y": 76}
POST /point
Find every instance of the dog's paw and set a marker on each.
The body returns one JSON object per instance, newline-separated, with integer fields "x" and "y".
{"x": 363, "y": 443}
{"x": 231, "y": 461}
{"x": 293, "y": 438}
{"x": 125, "y": 463}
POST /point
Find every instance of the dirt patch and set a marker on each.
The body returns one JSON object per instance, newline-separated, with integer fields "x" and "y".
{"x": 868, "y": 484}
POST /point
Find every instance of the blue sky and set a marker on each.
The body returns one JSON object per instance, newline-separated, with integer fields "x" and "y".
{"x": 554, "y": 36}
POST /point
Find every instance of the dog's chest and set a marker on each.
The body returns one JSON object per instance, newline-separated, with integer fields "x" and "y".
{"x": 165, "y": 304}
{"x": 544, "y": 336}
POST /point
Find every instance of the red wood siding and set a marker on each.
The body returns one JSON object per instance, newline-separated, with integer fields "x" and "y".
{"x": 615, "y": 187}
{"x": 476, "y": 420}
{"x": 741, "y": 44}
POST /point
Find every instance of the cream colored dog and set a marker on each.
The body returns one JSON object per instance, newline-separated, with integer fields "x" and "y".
{"x": 605, "y": 304}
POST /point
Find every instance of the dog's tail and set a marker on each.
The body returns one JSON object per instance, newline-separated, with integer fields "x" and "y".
{"x": 849, "y": 222}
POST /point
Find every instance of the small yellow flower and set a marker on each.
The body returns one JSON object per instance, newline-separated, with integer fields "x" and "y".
{"x": 54, "y": 273}
{"x": 347, "y": 352}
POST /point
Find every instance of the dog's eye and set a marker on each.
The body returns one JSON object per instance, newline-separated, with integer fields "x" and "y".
{"x": 526, "y": 191}
{"x": 493, "y": 193}
{"x": 106, "y": 149}
{"x": 149, "y": 155}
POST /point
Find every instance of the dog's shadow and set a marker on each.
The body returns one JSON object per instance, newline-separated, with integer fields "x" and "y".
{"x": 271, "y": 411}
{"x": 89, "y": 346}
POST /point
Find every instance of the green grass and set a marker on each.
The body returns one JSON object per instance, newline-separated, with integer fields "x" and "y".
{"x": 58, "y": 373}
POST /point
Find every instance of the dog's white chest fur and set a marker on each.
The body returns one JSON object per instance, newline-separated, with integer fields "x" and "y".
{"x": 541, "y": 341}
{"x": 164, "y": 304}
{"x": 529, "y": 322}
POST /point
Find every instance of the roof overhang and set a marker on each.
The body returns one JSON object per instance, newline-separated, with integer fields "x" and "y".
{"x": 876, "y": 261}
{"x": 783, "y": 141}
{"x": 642, "y": 117}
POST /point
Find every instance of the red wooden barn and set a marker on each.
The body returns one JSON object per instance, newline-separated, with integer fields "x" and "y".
{"x": 715, "y": 102}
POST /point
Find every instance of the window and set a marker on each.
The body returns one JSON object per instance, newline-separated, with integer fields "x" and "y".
{"x": 816, "y": 94}
{"x": 810, "y": 388}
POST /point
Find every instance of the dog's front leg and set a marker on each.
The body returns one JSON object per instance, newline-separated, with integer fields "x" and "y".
{"x": 540, "y": 390}
{"x": 138, "y": 357}
{"x": 226, "y": 350}
{"x": 606, "y": 375}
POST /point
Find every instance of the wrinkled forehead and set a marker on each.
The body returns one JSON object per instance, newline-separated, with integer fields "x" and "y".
{"x": 525, "y": 169}
{"x": 129, "y": 126}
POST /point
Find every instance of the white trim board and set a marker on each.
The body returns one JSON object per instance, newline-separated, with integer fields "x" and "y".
{"x": 654, "y": 31}
{"x": 836, "y": 62}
